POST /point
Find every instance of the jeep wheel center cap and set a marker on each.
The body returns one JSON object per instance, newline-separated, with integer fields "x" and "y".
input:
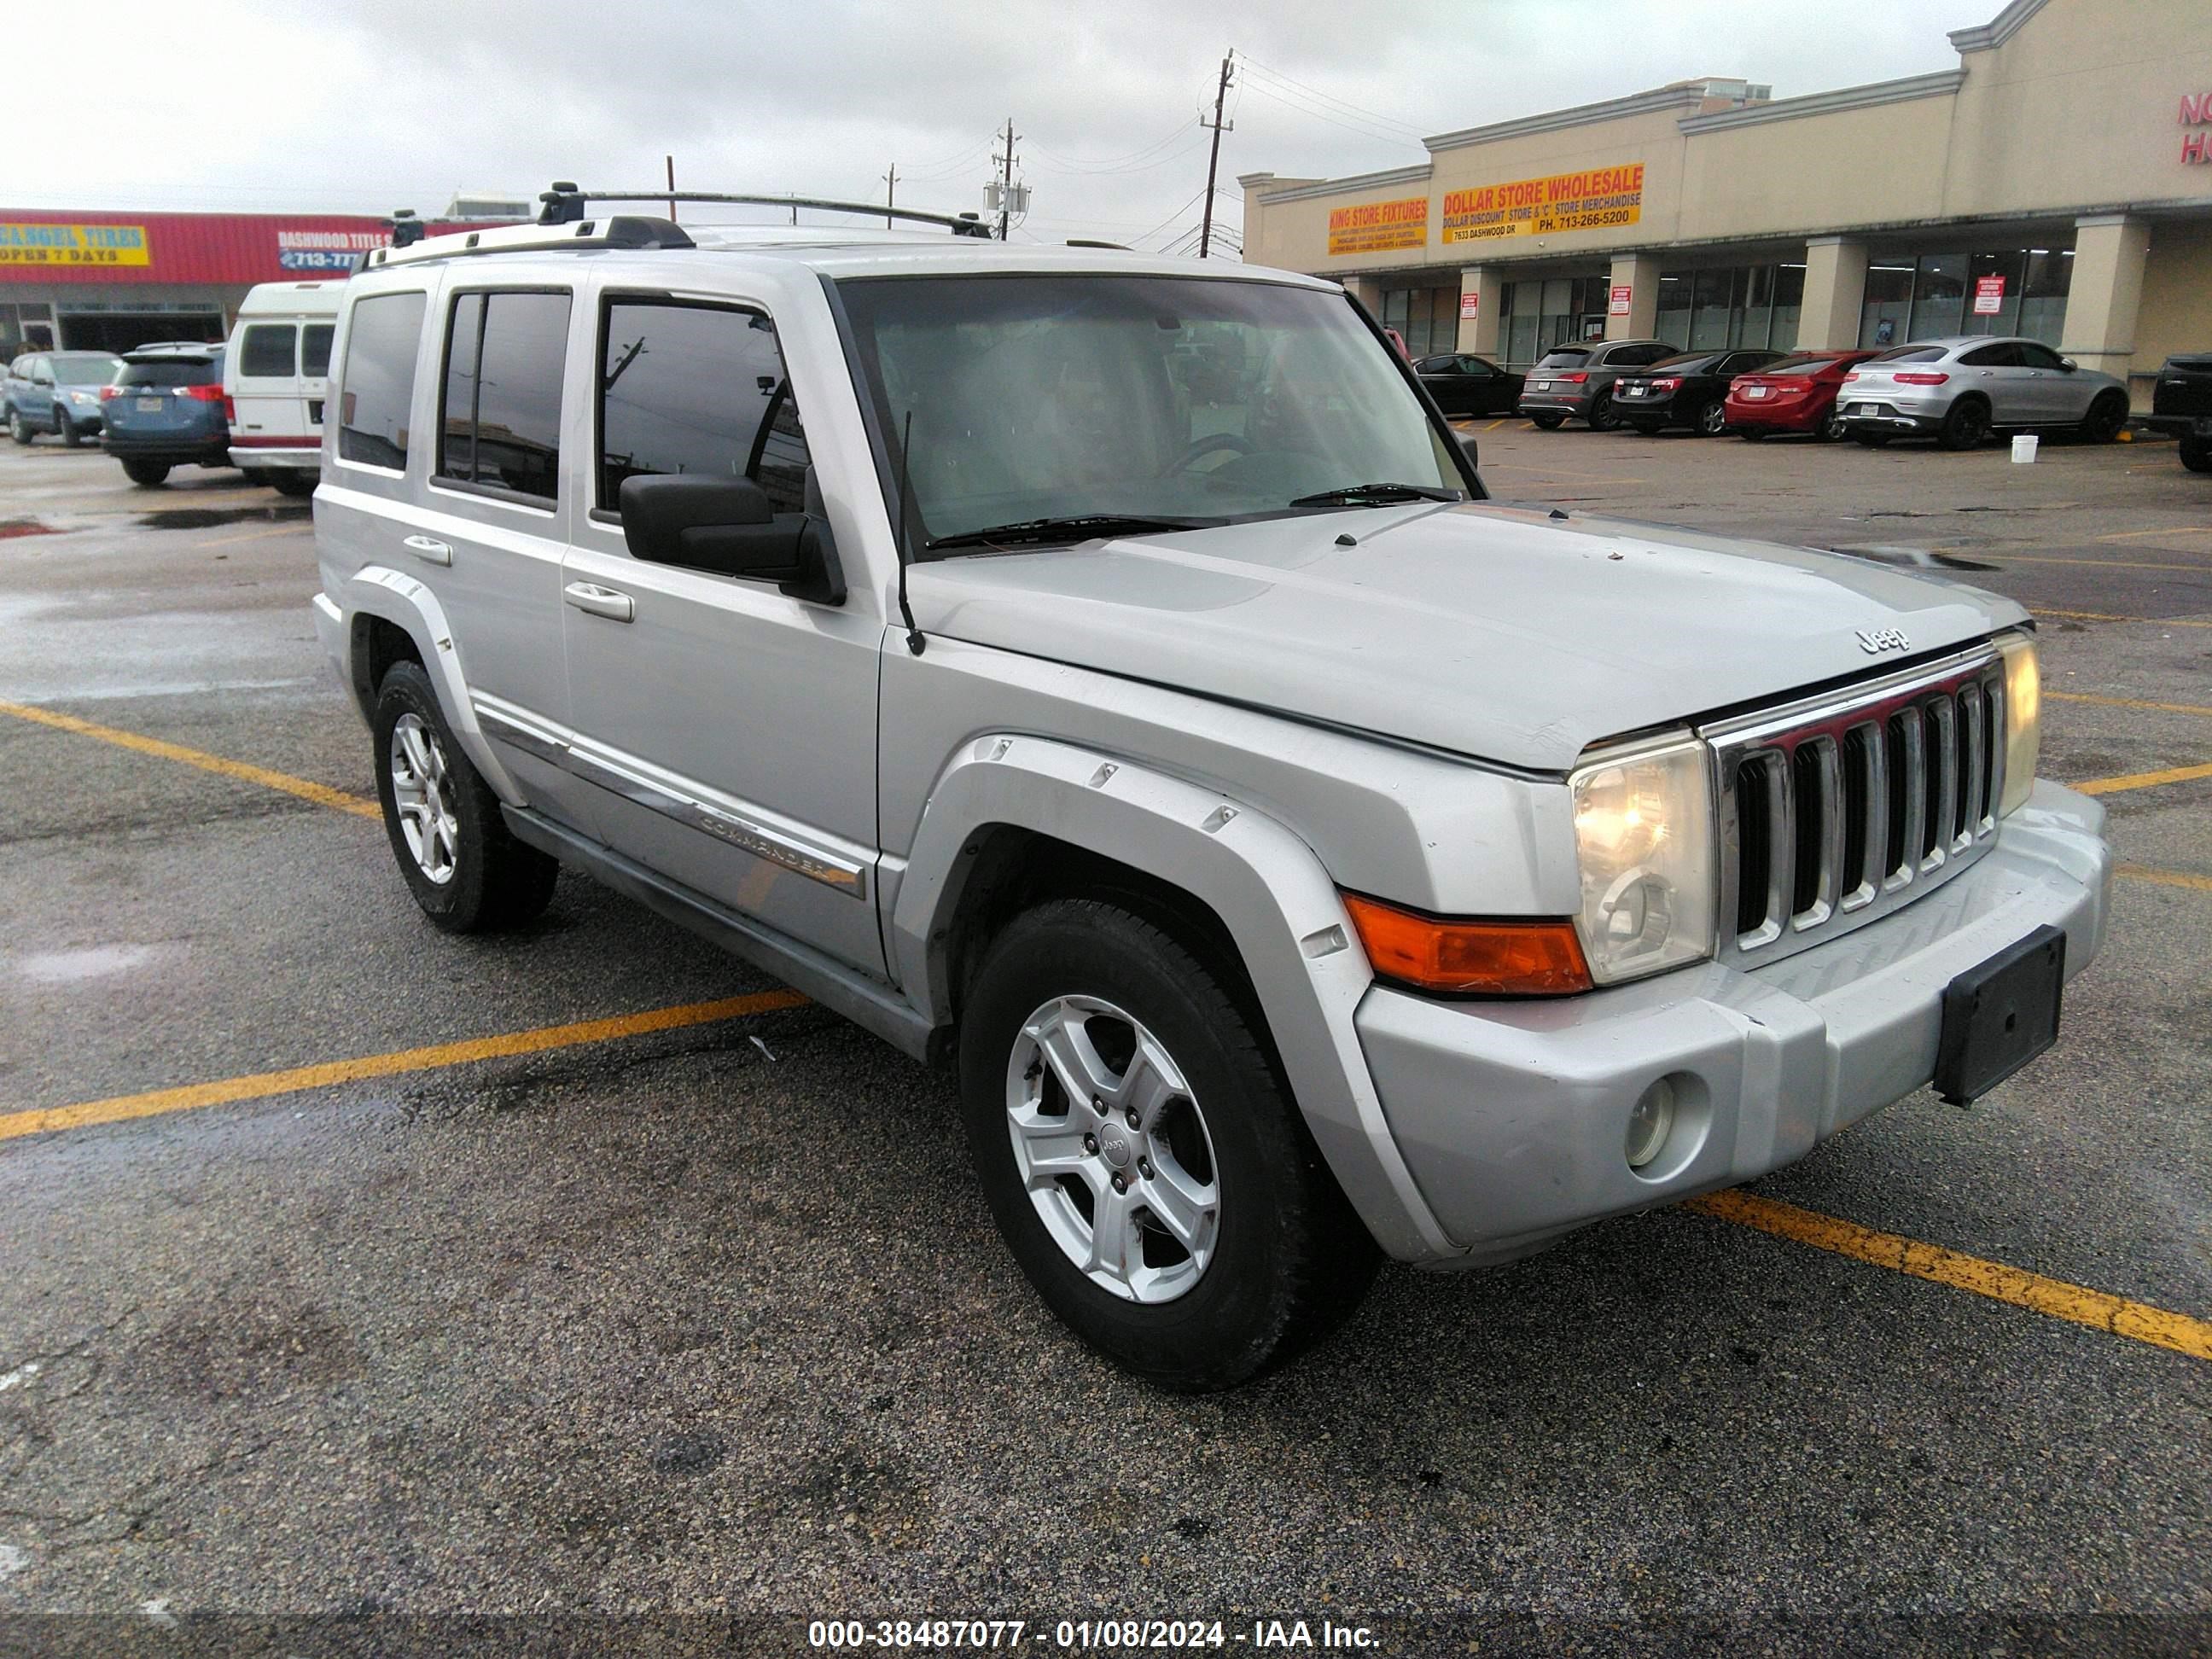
{"x": 1114, "y": 1145}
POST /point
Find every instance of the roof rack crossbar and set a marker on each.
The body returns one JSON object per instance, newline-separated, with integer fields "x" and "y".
{"x": 565, "y": 202}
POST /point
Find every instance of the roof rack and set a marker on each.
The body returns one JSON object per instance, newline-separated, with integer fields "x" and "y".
{"x": 620, "y": 231}
{"x": 565, "y": 204}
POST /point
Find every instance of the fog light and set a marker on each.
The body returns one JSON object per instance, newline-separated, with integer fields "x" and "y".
{"x": 1649, "y": 1122}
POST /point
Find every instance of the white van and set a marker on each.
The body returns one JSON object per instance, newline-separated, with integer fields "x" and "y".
{"x": 274, "y": 375}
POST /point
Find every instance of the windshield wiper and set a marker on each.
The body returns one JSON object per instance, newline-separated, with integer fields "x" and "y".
{"x": 1377, "y": 494}
{"x": 1079, "y": 528}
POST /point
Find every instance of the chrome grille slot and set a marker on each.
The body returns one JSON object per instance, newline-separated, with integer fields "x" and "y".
{"x": 1834, "y": 811}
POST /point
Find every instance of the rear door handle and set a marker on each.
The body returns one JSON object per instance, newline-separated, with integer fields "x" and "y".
{"x": 594, "y": 600}
{"x": 429, "y": 547}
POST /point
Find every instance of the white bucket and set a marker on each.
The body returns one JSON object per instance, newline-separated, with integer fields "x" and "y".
{"x": 2023, "y": 446}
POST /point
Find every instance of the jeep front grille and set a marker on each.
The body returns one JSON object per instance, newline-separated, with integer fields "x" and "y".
{"x": 1836, "y": 810}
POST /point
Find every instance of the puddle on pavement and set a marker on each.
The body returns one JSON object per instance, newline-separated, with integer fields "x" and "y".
{"x": 210, "y": 518}
{"x": 75, "y": 967}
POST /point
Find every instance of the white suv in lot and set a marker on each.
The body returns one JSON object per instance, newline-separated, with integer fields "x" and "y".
{"x": 1105, "y": 675}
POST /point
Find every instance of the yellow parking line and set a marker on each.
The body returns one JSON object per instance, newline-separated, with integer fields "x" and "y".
{"x": 2107, "y": 615}
{"x": 2141, "y": 780}
{"x": 2097, "y": 1310}
{"x": 262, "y": 1085}
{"x": 2176, "y": 530}
{"x": 2165, "y": 878}
{"x": 2128, "y": 702}
{"x": 321, "y": 794}
{"x": 303, "y": 525}
{"x": 1495, "y": 424}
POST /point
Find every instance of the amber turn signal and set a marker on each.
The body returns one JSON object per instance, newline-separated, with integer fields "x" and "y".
{"x": 1497, "y": 958}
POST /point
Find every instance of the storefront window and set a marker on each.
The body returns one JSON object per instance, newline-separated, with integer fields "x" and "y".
{"x": 1749, "y": 306}
{"x": 2048, "y": 277}
{"x": 1939, "y": 295}
{"x": 1673, "y": 325}
{"x": 1426, "y": 319}
{"x": 1993, "y": 278}
{"x": 1539, "y": 313}
{"x": 1888, "y": 304}
{"x": 1789, "y": 304}
{"x": 1935, "y": 295}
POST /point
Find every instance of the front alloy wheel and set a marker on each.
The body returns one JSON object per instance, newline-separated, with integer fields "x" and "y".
{"x": 18, "y": 428}
{"x": 1113, "y": 1150}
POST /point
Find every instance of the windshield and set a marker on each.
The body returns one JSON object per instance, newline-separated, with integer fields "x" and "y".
{"x": 86, "y": 371}
{"x": 1183, "y": 398}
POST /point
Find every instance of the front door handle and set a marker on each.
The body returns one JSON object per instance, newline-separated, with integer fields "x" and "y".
{"x": 429, "y": 547}
{"x": 594, "y": 600}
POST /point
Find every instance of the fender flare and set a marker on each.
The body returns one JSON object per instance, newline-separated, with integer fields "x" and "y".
{"x": 1266, "y": 885}
{"x": 396, "y": 598}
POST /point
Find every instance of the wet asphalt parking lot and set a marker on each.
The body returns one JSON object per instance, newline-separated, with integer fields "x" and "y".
{"x": 710, "y": 1318}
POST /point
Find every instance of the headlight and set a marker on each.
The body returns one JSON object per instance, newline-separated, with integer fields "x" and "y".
{"x": 2023, "y": 719}
{"x": 1644, "y": 839}
{"x": 82, "y": 398}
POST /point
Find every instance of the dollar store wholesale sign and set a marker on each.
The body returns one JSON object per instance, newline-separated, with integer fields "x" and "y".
{"x": 1597, "y": 199}
{"x": 1375, "y": 227}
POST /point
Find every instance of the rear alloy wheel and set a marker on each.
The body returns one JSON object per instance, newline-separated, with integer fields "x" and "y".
{"x": 468, "y": 873}
{"x": 1966, "y": 426}
{"x": 1548, "y": 422}
{"x": 66, "y": 428}
{"x": 149, "y": 473}
{"x": 1831, "y": 426}
{"x": 1712, "y": 421}
{"x": 1141, "y": 1156}
{"x": 18, "y": 428}
{"x": 1603, "y": 417}
{"x": 2106, "y": 416}
{"x": 2196, "y": 452}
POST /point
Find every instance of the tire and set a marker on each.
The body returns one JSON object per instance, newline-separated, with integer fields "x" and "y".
{"x": 1711, "y": 421}
{"x": 1548, "y": 422}
{"x": 65, "y": 428}
{"x": 292, "y": 483}
{"x": 1966, "y": 425}
{"x": 1284, "y": 1261}
{"x": 19, "y": 429}
{"x": 470, "y": 875}
{"x": 1831, "y": 429}
{"x": 146, "y": 473}
{"x": 2196, "y": 452}
{"x": 1604, "y": 417}
{"x": 2107, "y": 415}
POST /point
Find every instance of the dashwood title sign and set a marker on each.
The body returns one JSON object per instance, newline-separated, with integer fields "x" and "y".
{"x": 1597, "y": 199}
{"x": 1376, "y": 227}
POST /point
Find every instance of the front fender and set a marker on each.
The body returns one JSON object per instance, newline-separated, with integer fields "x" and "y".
{"x": 1263, "y": 882}
{"x": 397, "y": 597}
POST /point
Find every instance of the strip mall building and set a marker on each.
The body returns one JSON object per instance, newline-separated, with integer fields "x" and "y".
{"x": 106, "y": 282}
{"x": 2057, "y": 183}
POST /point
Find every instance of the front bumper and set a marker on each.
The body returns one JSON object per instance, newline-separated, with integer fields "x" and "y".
{"x": 306, "y": 457}
{"x": 1512, "y": 1116}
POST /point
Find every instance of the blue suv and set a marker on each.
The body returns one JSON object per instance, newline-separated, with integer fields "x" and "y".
{"x": 166, "y": 409}
{"x": 57, "y": 391}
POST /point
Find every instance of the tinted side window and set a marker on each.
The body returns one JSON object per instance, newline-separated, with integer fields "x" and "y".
{"x": 505, "y": 356}
{"x": 2004, "y": 356}
{"x": 268, "y": 349}
{"x": 690, "y": 389}
{"x": 2039, "y": 357}
{"x": 315, "y": 349}
{"x": 379, "y": 379}
{"x": 1639, "y": 357}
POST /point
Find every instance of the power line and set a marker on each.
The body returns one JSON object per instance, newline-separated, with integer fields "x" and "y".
{"x": 1319, "y": 114}
{"x": 1345, "y": 104}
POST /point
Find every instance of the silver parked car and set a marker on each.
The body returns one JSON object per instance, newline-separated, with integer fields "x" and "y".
{"x": 1300, "y": 859}
{"x": 1960, "y": 388}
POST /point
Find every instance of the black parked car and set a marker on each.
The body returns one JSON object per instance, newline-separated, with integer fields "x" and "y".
{"x": 1469, "y": 385}
{"x": 1577, "y": 381}
{"x": 2181, "y": 403}
{"x": 1690, "y": 390}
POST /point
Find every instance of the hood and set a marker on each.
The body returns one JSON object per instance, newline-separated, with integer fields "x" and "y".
{"x": 1500, "y": 633}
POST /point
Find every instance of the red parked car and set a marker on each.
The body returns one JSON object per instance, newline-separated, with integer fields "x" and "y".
{"x": 1798, "y": 394}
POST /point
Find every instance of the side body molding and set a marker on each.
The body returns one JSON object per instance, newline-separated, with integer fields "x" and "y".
{"x": 1263, "y": 881}
{"x": 378, "y": 590}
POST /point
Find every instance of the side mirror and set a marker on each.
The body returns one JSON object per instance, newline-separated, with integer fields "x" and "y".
{"x": 2067, "y": 364}
{"x": 1467, "y": 448}
{"x": 729, "y": 526}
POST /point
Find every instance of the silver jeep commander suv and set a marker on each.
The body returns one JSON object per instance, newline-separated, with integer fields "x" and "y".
{"x": 1105, "y": 675}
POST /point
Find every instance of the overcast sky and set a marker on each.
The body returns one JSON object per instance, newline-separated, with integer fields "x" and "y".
{"x": 361, "y": 105}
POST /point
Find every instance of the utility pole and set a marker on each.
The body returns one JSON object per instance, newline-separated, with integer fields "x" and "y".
{"x": 891, "y": 192}
{"x": 1006, "y": 182}
{"x": 1213, "y": 160}
{"x": 672, "y": 190}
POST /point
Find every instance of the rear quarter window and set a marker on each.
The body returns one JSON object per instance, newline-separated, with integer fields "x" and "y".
{"x": 373, "y": 409}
